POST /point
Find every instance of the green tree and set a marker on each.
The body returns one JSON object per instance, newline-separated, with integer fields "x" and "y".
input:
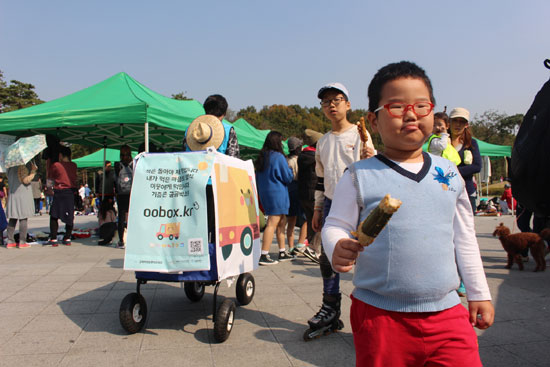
{"x": 16, "y": 95}
{"x": 181, "y": 96}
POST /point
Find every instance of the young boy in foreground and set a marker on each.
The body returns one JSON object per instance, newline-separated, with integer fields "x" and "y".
{"x": 405, "y": 310}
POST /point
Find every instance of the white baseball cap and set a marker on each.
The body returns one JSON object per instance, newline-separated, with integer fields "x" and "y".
{"x": 338, "y": 86}
{"x": 460, "y": 112}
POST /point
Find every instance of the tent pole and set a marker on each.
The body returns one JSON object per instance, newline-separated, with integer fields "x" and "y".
{"x": 146, "y": 137}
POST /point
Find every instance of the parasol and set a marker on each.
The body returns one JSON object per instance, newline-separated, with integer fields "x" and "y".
{"x": 23, "y": 150}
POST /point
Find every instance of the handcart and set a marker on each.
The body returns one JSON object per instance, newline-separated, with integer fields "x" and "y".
{"x": 133, "y": 309}
{"x": 233, "y": 254}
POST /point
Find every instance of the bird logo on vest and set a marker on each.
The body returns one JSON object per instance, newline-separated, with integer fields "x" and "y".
{"x": 443, "y": 178}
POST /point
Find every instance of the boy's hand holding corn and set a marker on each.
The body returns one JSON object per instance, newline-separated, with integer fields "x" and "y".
{"x": 345, "y": 253}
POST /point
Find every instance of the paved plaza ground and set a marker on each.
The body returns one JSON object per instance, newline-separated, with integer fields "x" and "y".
{"x": 59, "y": 307}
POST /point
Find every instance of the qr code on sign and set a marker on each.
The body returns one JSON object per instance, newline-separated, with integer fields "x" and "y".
{"x": 195, "y": 246}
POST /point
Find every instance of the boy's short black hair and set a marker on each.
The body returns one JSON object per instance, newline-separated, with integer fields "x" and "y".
{"x": 215, "y": 105}
{"x": 402, "y": 69}
{"x": 65, "y": 151}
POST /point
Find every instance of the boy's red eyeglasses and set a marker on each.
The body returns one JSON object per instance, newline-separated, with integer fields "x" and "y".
{"x": 396, "y": 109}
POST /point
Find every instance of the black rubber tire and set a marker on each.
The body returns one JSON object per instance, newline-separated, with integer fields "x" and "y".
{"x": 247, "y": 241}
{"x": 245, "y": 287}
{"x": 223, "y": 324}
{"x": 194, "y": 290}
{"x": 133, "y": 312}
{"x": 171, "y": 237}
{"x": 160, "y": 237}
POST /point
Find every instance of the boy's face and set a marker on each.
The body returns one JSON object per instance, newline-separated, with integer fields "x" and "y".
{"x": 337, "y": 108}
{"x": 406, "y": 134}
{"x": 439, "y": 126}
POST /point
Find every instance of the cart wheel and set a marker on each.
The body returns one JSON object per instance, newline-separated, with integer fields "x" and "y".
{"x": 194, "y": 290}
{"x": 171, "y": 237}
{"x": 246, "y": 241}
{"x": 223, "y": 324}
{"x": 245, "y": 288}
{"x": 133, "y": 312}
{"x": 226, "y": 251}
{"x": 160, "y": 237}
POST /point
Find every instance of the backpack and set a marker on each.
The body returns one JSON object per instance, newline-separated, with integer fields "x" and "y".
{"x": 530, "y": 164}
{"x": 124, "y": 179}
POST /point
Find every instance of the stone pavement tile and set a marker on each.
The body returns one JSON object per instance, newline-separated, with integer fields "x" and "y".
{"x": 57, "y": 323}
{"x": 499, "y": 334}
{"x": 176, "y": 330}
{"x": 22, "y": 308}
{"x": 256, "y": 336}
{"x": 82, "y": 295}
{"x": 249, "y": 314}
{"x": 284, "y": 299}
{"x": 85, "y": 285}
{"x": 5, "y": 336}
{"x": 104, "y": 333}
{"x": 32, "y": 360}
{"x": 14, "y": 323}
{"x": 175, "y": 300}
{"x": 99, "y": 274}
{"x": 539, "y": 325}
{"x": 4, "y": 295}
{"x": 186, "y": 356}
{"x": 299, "y": 315}
{"x": 72, "y": 307}
{"x": 496, "y": 356}
{"x": 72, "y": 269}
{"x": 49, "y": 286}
{"x": 57, "y": 278}
{"x": 269, "y": 354}
{"x": 293, "y": 332}
{"x": 92, "y": 358}
{"x": 325, "y": 351}
{"x": 38, "y": 343}
{"x": 128, "y": 285}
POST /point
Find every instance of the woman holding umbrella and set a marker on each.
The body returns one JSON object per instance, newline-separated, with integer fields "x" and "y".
{"x": 20, "y": 202}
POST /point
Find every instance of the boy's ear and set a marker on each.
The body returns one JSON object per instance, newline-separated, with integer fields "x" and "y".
{"x": 348, "y": 105}
{"x": 373, "y": 121}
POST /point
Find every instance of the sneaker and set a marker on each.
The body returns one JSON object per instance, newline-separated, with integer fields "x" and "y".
{"x": 66, "y": 242}
{"x": 103, "y": 243}
{"x": 312, "y": 255}
{"x": 24, "y": 245}
{"x": 52, "y": 243}
{"x": 11, "y": 245}
{"x": 120, "y": 244}
{"x": 284, "y": 256}
{"x": 266, "y": 260}
{"x": 298, "y": 249}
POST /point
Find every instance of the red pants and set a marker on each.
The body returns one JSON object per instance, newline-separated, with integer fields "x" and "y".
{"x": 386, "y": 338}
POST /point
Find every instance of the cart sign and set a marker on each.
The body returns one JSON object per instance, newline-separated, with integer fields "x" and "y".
{"x": 167, "y": 221}
{"x": 237, "y": 220}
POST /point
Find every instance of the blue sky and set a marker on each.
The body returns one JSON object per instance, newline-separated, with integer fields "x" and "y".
{"x": 482, "y": 55}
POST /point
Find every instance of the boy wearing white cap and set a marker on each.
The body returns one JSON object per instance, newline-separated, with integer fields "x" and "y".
{"x": 336, "y": 150}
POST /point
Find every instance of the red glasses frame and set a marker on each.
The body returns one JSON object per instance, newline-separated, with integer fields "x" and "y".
{"x": 406, "y": 108}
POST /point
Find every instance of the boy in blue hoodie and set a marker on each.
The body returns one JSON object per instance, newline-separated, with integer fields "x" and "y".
{"x": 405, "y": 310}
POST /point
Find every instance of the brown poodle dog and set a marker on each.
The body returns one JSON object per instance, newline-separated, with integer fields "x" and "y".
{"x": 515, "y": 243}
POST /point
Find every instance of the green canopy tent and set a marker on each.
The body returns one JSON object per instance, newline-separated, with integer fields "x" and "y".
{"x": 116, "y": 111}
{"x": 95, "y": 160}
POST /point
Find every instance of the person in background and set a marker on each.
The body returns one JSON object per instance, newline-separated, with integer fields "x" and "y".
{"x": 439, "y": 142}
{"x": 3, "y": 191}
{"x": 48, "y": 193}
{"x": 124, "y": 171}
{"x": 82, "y": 192}
{"x": 468, "y": 150}
{"x": 105, "y": 187}
{"x": 307, "y": 181}
{"x": 107, "y": 222}
{"x": 36, "y": 185}
{"x": 507, "y": 201}
{"x": 216, "y": 105}
{"x": 20, "y": 202}
{"x": 273, "y": 175}
{"x": 295, "y": 210}
{"x": 336, "y": 150}
{"x": 63, "y": 173}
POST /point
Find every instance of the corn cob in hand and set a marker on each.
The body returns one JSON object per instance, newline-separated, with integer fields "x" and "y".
{"x": 376, "y": 220}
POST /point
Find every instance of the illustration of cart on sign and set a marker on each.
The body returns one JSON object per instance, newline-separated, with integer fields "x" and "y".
{"x": 154, "y": 239}
{"x": 239, "y": 222}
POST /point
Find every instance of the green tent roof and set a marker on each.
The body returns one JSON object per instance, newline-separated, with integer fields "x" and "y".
{"x": 110, "y": 113}
{"x": 95, "y": 159}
